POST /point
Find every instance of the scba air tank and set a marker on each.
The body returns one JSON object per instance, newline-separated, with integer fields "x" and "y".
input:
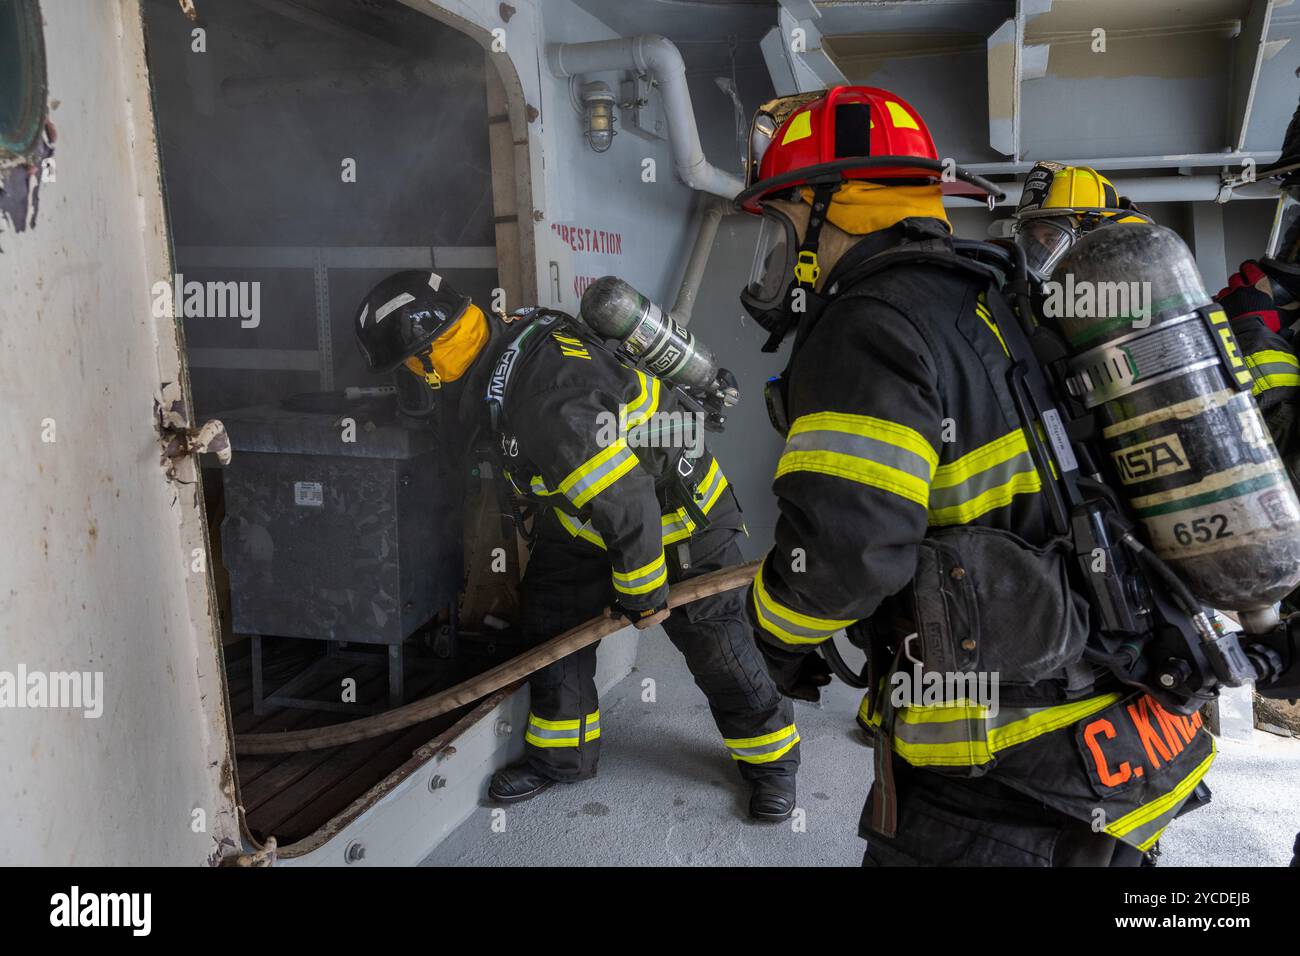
{"x": 650, "y": 336}
{"x": 1156, "y": 360}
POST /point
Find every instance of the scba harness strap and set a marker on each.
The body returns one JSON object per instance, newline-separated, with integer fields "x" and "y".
{"x": 533, "y": 318}
{"x": 909, "y": 252}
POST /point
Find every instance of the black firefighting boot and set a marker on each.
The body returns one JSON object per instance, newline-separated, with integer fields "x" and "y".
{"x": 771, "y": 801}
{"x": 517, "y": 782}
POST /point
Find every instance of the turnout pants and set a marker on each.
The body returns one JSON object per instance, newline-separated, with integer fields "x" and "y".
{"x": 568, "y": 581}
{"x": 955, "y": 821}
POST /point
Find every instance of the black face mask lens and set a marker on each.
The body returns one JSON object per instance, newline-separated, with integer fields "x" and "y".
{"x": 414, "y": 397}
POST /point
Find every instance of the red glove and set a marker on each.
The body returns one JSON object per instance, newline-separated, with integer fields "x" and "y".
{"x": 1249, "y": 294}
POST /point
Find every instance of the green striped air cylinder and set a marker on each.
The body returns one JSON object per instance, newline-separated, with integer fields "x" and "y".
{"x": 651, "y": 337}
{"x": 1155, "y": 359}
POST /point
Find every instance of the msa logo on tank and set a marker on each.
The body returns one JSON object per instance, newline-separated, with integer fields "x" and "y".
{"x": 660, "y": 340}
{"x": 571, "y": 347}
{"x": 666, "y": 361}
{"x": 1155, "y": 458}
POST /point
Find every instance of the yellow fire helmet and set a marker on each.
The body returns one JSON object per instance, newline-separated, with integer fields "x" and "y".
{"x": 1058, "y": 205}
{"x": 1053, "y": 189}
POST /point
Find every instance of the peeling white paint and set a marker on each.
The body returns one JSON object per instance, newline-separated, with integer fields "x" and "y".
{"x": 95, "y": 572}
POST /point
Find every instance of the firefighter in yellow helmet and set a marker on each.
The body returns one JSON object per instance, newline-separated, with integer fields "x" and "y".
{"x": 1058, "y": 206}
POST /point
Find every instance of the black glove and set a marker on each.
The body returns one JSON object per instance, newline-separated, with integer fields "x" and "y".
{"x": 1278, "y": 651}
{"x": 797, "y": 675}
{"x": 639, "y": 619}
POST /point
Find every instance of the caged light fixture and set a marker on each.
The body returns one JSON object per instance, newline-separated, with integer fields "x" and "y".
{"x": 598, "y": 113}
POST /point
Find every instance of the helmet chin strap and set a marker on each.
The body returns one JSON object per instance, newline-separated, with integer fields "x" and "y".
{"x": 422, "y": 366}
{"x": 806, "y": 267}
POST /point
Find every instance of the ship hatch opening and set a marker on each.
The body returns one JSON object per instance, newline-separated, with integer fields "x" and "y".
{"x": 309, "y": 148}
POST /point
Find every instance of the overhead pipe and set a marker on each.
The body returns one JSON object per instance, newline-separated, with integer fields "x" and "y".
{"x": 657, "y": 57}
{"x": 712, "y": 209}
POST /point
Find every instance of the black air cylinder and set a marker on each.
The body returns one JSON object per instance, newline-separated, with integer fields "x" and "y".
{"x": 1156, "y": 360}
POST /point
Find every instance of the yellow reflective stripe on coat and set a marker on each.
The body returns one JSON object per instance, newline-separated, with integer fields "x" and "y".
{"x": 870, "y": 451}
{"x": 1273, "y": 369}
{"x": 982, "y": 310}
{"x": 982, "y": 480}
{"x": 787, "y": 624}
{"x": 709, "y": 488}
{"x": 646, "y": 402}
{"x": 674, "y": 526}
{"x": 1143, "y": 826}
{"x": 537, "y": 486}
{"x": 964, "y": 734}
{"x": 591, "y": 727}
{"x": 764, "y": 748}
{"x": 644, "y": 579}
{"x": 579, "y": 529}
{"x": 598, "y": 472}
{"x": 677, "y": 525}
{"x": 552, "y": 733}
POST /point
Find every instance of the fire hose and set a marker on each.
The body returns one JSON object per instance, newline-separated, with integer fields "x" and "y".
{"x": 517, "y": 668}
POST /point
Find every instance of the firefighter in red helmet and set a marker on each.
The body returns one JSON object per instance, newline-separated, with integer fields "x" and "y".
{"x": 912, "y": 511}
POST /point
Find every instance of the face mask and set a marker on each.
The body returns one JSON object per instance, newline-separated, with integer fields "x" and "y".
{"x": 1045, "y": 242}
{"x": 766, "y": 294}
{"x": 1046, "y": 239}
{"x": 423, "y": 379}
{"x": 414, "y": 395}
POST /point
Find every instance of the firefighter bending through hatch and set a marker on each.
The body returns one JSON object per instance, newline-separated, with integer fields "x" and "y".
{"x": 906, "y": 480}
{"x": 614, "y": 525}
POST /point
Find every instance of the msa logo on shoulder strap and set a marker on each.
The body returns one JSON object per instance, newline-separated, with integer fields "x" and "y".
{"x": 499, "y": 381}
{"x": 501, "y": 375}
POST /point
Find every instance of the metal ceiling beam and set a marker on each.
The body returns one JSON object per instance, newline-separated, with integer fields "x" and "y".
{"x": 1004, "y": 51}
{"x": 1247, "y": 60}
{"x": 795, "y": 59}
{"x": 1174, "y": 161}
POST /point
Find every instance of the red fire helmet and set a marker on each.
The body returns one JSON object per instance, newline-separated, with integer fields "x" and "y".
{"x": 846, "y": 133}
